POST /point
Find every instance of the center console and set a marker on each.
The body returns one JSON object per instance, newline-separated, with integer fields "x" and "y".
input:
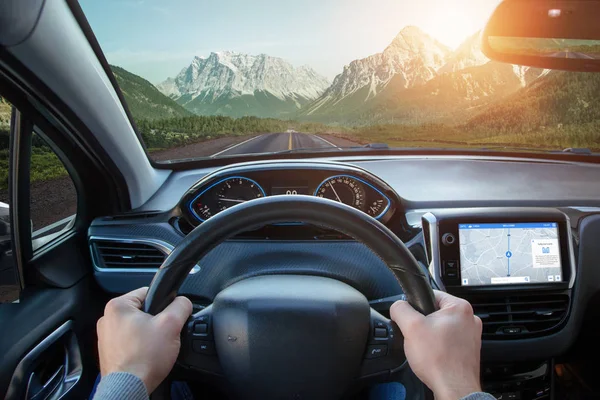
{"x": 516, "y": 268}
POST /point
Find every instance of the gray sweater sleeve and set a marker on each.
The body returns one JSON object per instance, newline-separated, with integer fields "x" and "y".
{"x": 119, "y": 386}
{"x": 479, "y": 396}
{"x": 123, "y": 385}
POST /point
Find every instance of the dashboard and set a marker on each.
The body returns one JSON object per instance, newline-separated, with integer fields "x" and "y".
{"x": 522, "y": 252}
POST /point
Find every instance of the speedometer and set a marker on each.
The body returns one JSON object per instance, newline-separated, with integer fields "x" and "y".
{"x": 344, "y": 189}
{"x": 356, "y": 193}
{"x": 224, "y": 194}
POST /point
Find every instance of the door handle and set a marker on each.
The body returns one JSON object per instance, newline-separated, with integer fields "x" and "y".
{"x": 35, "y": 380}
{"x": 37, "y": 391}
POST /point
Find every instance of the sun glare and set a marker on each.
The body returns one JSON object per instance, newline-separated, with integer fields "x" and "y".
{"x": 452, "y": 21}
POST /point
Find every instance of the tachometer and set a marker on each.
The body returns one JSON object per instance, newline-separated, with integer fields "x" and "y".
{"x": 344, "y": 189}
{"x": 224, "y": 194}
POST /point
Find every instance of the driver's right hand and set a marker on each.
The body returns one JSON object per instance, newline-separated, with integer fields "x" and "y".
{"x": 443, "y": 348}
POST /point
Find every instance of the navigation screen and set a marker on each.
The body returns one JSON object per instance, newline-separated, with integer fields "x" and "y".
{"x": 506, "y": 253}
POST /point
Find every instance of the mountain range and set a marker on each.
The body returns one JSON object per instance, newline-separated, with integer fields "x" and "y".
{"x": 415, "y": 80}
{"x": 236, "y": 85}
{"x": 426, "y": 82}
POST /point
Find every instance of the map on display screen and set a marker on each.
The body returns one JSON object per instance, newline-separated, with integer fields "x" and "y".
{"x": 509, "y": 253}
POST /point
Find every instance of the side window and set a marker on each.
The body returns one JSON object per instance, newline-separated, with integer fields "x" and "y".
{"x": 9, "y": 281}
{"x": 5, "y": 111}
{"x": 52, "y": 194}
{"x": 53, "y": 198}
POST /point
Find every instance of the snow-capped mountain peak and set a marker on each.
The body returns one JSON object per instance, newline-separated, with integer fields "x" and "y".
{"x": 413, "y": 55}
{"x": 412, "y": 41}
{"x": 228, "y": 75}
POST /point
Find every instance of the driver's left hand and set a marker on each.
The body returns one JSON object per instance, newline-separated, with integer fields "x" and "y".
{"x": 146, "y": 346}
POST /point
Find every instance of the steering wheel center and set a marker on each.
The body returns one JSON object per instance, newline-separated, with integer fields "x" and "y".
{"x": 283, "y": 335}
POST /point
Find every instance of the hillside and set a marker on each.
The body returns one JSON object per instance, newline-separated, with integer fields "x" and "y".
{"x": 260, "y": 104}
{"x": 450, "y": 97}
{"x": 555, "y": 111}
{"x": 561, "y": 110}
{"x": 144, "y": 100}
{"x": 560, "y": 98}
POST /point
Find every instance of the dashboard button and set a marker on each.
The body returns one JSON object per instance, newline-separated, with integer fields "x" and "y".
{"x": 201, "y": 329}
{"x": 376, "y": 351}
{"x": 381, "y": 332}
{"x": 512, "y": 330}
{"x": 448, "y": 239}
{"x": 451, "y": 269}
{"x": 204, "y": 347}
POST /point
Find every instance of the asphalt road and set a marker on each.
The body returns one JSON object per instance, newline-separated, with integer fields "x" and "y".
{"x": 271, "y": 142}
{"x": 267, "y": 142}
{"x": 571, "y": 54}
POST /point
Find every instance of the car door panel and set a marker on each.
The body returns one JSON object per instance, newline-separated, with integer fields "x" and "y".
{"x": 47, "y": 337}
{"x": 37, "y": 316}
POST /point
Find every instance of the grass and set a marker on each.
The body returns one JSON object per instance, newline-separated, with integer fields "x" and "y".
{"x": 439, "y": 135}
{"x": 45, "y": 165}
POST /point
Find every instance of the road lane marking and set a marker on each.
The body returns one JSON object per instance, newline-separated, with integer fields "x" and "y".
{"x": 236, "y": 145}
{"x": 328, "y": 142}
{"x": 290, "y": 142}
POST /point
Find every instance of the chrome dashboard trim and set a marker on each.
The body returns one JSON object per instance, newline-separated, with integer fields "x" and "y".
{"x": 434, "y": 264}
{"x": 413, "y": 216}
{"x": 164, "y": 247}
{"x": 571, "y": 253}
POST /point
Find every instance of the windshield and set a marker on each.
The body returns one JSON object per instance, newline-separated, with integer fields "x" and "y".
{"x": 234, "y": 77}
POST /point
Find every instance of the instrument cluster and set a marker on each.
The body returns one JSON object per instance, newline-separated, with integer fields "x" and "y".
{"x": 217, "y": 193}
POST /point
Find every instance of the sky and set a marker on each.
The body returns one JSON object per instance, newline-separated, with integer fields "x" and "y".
{"x": 157, "y": 38}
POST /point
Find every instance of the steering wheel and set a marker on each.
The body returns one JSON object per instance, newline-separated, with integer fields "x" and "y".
{"x": 290, "y": 336}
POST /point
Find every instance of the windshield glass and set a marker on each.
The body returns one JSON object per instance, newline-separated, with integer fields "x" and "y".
{"x": 232, "y": 77}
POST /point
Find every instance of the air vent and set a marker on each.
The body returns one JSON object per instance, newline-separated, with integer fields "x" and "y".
{"x": 127, "y": 254}
{"x": 512, "y": 317}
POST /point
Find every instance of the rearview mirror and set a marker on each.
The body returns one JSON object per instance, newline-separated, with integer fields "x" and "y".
{"x": 545, "y": 34}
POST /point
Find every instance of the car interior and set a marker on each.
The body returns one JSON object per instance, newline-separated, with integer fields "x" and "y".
{"x": 291, "y": 259}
